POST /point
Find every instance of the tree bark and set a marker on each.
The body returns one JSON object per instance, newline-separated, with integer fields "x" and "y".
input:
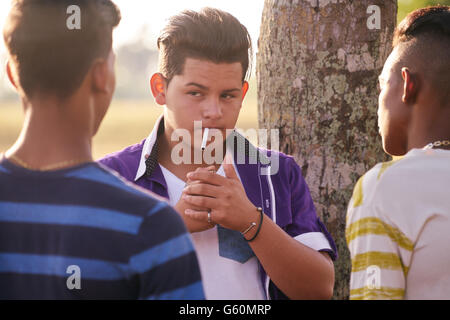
{"x": 318, "y": 64}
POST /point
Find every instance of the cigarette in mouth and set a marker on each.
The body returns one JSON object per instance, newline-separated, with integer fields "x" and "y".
{"x": 205, "y": 138}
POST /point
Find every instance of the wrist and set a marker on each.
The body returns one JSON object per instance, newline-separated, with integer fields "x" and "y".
{"x": 251, "y": 216}
{"x": 252, "y": 231}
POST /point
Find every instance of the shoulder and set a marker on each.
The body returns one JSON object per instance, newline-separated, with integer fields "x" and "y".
{"x": 419, "y": 179}
{"x": 131, "y": 152}
{"x": 143, "y": 202}
{"x": 115, "y": 192}
{"x": 126, "y": 161}
{"x": 415, "y": 166}
{"x": 275, "y": 154}
{"x": 404, "y": 192}
{"x": 366, "y": 185}
{"x": 283, "y": 165}
{"x": 287, "y": 178}
{"x": 411, "y": 176}
{"x": 124, "y": 184}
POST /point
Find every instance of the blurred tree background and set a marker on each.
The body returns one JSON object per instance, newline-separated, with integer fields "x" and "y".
{"x": 133, "y": 112}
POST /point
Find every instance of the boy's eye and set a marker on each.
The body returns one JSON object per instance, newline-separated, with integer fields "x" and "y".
{"x": 227, "y": 96}
{"x": 194, "y": 93}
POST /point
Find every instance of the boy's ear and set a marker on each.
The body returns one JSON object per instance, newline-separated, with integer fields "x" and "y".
{"x": 245, "y": 87}
{"x": 9, "y": 73}
{"x": 410, "y": 86}
{"x": 103, "y": 74}
{"x": 158, "y": 87}
{"x": 100, "y": 75}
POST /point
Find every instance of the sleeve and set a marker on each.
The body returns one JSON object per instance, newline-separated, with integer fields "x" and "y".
{"x": 306, "y": 226}
{"x": 377, "y": 250}
{"x": 166, "y": 264}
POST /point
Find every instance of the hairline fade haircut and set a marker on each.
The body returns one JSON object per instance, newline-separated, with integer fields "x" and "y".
{"x": 424, "y": 39}
{"x": 210, "y": 34}
{"x": 48, "y": 57}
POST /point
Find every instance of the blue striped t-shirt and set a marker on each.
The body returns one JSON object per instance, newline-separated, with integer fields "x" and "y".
{"x": 84, "y": 233}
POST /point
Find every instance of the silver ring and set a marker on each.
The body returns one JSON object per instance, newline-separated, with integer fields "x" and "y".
{"x": 209, "y": 216}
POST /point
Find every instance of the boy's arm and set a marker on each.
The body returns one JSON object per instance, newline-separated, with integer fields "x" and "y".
{"x": 296, "y": 269}
{"x": 313, "y": 268}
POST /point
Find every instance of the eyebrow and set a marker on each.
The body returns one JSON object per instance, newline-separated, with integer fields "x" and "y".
{"x": 196, "y": 85}
{"x": 232, "y": 90}
{"x": 206, "y": 88}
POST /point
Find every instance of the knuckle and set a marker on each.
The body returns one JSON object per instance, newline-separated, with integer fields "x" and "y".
{"x": 202, "y": 202}
{"x": 202, "y": 189}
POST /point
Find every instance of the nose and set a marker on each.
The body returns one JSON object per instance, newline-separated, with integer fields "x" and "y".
{"x": 212, "y": 110}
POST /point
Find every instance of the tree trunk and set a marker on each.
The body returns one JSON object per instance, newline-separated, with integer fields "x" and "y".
{"x": 317, "y": 68}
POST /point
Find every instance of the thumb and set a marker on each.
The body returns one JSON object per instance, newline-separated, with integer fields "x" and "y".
{"x": 228, "y": 167}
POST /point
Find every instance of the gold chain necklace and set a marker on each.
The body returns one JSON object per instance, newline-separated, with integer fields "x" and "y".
{"x": 49, "y": 167}
{"x": 437, "y": 144}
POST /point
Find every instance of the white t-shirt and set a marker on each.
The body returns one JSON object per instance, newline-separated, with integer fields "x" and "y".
{"x": 398, "y": 229}
{"x": 223, "y": 278}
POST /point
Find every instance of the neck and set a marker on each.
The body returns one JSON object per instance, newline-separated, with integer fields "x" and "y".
{"x": 52, "y": 133}
{"x": 429, "y": 127}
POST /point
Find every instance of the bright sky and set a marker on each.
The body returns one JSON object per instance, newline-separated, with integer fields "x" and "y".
{"x": 152, "y": 14}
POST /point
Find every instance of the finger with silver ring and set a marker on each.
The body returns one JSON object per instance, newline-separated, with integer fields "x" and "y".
{"x": 209, "y": 216}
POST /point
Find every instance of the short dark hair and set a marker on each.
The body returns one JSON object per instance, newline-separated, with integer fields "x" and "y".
{"x": 210, "y": 34}
{"x": 434, "y": 21}
{"x": 424, "y": 36}
{"x": 49, "y": 57}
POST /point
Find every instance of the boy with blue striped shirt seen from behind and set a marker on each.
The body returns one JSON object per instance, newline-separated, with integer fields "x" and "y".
{"x": 70, "y": 228}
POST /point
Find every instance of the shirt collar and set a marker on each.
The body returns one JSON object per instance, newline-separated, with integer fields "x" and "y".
{"x": 148, "y": 147}
{"x": 149, "y": 156}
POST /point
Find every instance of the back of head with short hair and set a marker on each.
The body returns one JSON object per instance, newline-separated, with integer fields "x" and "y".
{"x": 432, "y": 21}
{"x": 49, "y": 57}
{"x": 209, "y": 34}
{"x": 425, "y": 35}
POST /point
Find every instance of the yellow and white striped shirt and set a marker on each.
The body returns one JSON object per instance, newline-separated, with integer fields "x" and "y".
{"x": 398, "y": 229}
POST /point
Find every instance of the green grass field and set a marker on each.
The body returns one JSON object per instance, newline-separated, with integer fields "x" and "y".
{"x": 126, "y": 123}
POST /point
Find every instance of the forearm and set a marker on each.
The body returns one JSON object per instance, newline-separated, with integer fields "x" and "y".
{"x": 297, "y": 270}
